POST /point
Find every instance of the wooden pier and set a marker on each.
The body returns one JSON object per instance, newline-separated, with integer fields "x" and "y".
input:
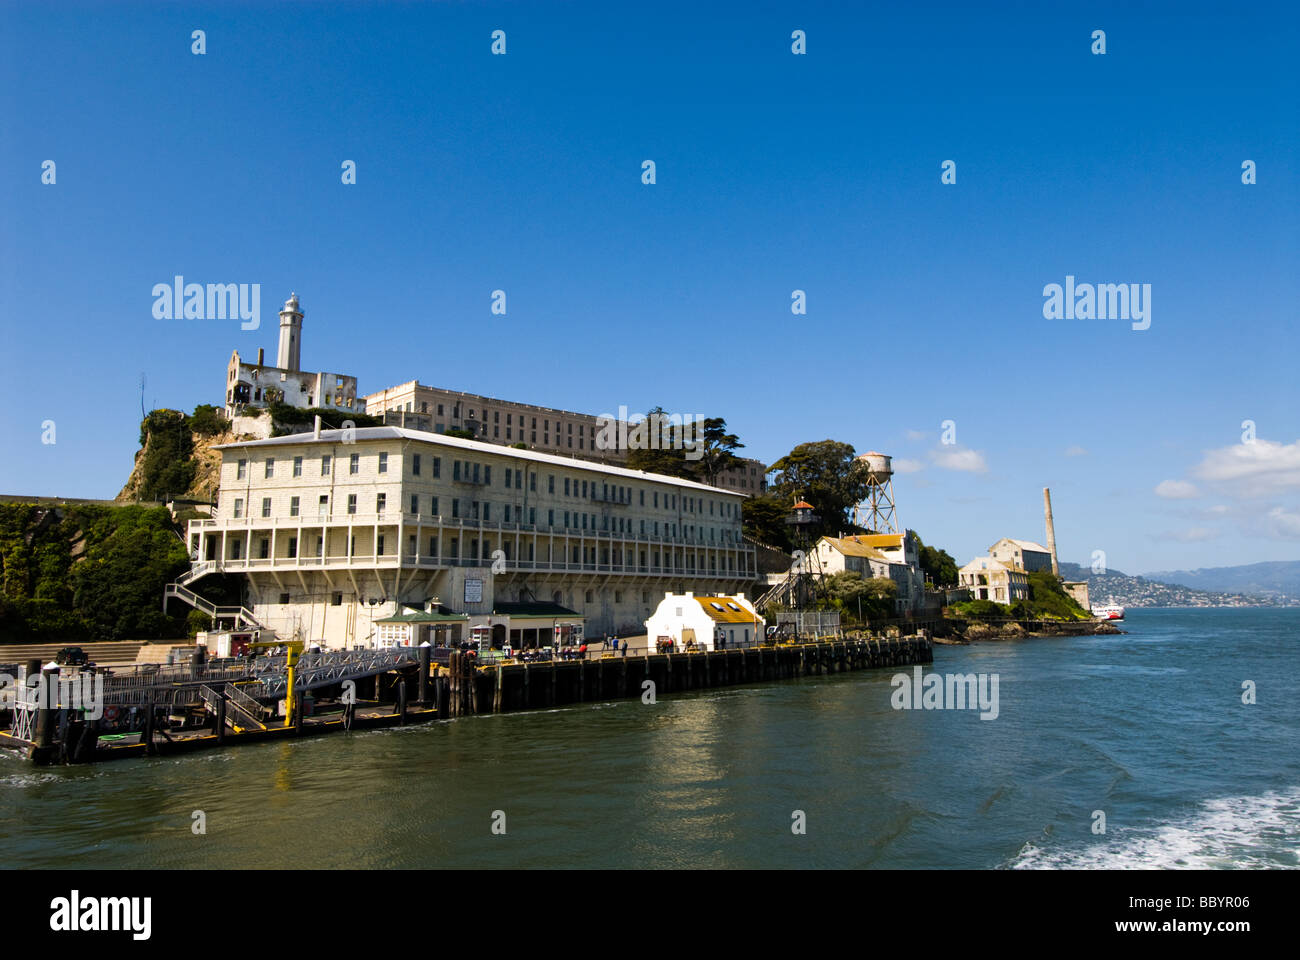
{"x": 464, "y": 688}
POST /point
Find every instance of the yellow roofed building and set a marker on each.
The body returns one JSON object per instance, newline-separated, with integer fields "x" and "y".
{"x": 704, "y": 623}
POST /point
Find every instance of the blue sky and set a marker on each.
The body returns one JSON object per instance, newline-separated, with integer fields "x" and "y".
{"x": 775, "y": 172}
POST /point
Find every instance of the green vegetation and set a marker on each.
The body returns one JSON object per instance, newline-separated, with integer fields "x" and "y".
{"x": 286, "y": 419}
{"x": 668, "y": 456}
{"x": 708, "y": 441}
{"x": 208, "y": 421}
{"x": 86, "y": 572}
{"x": 938, "y": 565}
{"x": 981, "y": 610}
{"x": 718, "y": 450}
{"x": 859, "y": 599}
{"x": 167, "y": 467}
{"x": 1047, "y": 601}
{"x": 763, "y": 519}
{"x": 463, "y": 434}
{"x": 827, "y": 475}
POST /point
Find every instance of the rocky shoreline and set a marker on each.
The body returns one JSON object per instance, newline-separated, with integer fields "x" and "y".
{"x": 962, "y": 631}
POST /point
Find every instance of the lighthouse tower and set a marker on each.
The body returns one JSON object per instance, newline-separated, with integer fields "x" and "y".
{"x": 289, "y": 356}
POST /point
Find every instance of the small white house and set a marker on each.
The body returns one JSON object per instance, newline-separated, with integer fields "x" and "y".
{"x": 689, "y": 622}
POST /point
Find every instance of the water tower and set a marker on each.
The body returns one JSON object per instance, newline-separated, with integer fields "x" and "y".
{"x": 877, "y": 512}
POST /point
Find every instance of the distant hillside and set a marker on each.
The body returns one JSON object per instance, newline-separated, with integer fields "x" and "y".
{"x": 1115, "y": 586}
{"x": 1278, "y": 578}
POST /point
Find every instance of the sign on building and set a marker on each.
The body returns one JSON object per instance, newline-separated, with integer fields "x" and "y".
{"x": 473, "y": 591}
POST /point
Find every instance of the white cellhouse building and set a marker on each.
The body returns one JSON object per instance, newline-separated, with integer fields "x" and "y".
{"x": 336, "y": 529}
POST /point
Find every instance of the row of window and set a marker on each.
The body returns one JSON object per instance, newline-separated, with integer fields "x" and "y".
{"x": 467, "y": 471}
{"x": 468, "y": 414}
{"x": 326, "y": 465}
{"x": 476, "y": 510}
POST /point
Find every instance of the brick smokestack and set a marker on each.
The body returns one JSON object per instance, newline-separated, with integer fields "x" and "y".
{"x": 1051, "y": 530}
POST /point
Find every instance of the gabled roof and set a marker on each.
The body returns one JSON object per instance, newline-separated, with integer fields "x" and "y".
{"x": 726, "y": 614}
{"x": 891, "y": 541}
{"x": 988, "y": 563}
{"x": 852, "y": 547}
{"x": 1024, "y": 545}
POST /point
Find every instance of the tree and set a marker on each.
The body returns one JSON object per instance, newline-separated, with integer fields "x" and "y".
{"x": 938, "y": 565}
{"x": 125, "y": 555}
{"x": 460, "y": 432}
{"x": 207, "y": 421}
{"x": 131, "y": 552}
{"x": 861, "y": 598}
{"x": 828, "y": 475}
{"x": 168, "y": 467}
{"x": 655, "y": 446}
{"x": 717, "y": 446}
{"x": 763, "y": 519}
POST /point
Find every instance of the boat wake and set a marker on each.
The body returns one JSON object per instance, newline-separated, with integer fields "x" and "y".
{"x": 1252, "y": 832}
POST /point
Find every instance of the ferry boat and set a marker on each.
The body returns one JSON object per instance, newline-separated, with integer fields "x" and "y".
{"x": 1112, "y": 611}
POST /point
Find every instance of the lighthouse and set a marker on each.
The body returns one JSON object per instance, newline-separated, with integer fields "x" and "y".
{"x": 289, "y": 356}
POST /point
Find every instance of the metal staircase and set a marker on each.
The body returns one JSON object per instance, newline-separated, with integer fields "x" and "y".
{"x": 241, "y": 616}
{"x": 784, "y": 592}
{"x": 198, "y": 570}
{"x": 242, "y": 711}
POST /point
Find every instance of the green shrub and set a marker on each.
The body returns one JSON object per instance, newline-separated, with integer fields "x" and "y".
{"x": 285, "y": 418}
{"x": 208, "y": 421}
{"x": 981, "y": 610}
{"x": 195, "y": 621}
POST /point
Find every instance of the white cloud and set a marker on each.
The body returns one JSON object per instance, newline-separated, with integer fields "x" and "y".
{"x": 1190, "y": 535}
{"x": 904, "y": 465}
{"x": 1284, "y": 523}
{"x": 954, "y": 458}
{"x": 1177, "y": 490}
{"x": 1075, "y": 451}
{"x": 1258, "y": 469}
